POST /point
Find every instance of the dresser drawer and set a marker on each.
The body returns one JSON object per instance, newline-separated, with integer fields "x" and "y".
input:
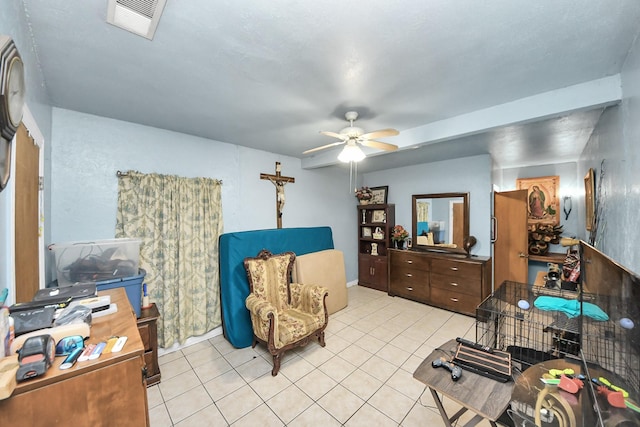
{"x": 409, "y": 283}
{"x": 457, "y": 268}
{"x": 409, "y": 259}
{"x": 455, "y": 283}
{"x": 458, "y": 302}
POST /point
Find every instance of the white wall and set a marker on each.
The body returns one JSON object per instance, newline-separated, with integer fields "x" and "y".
{"x": 87, "y": 151}
{"x": 466, "y": 175}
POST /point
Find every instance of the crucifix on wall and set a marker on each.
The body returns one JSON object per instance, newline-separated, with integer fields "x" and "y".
{"x": 279, "y": 181}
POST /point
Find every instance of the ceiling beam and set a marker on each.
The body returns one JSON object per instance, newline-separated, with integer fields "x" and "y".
{"x": 556, "y": 103}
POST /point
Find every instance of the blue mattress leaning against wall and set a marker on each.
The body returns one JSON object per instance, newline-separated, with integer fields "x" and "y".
{"x": 234, "y": 286}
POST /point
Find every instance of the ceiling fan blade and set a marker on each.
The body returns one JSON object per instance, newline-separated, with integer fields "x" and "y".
{"x": 334, "y": 135}
{"x": 379, "y": 144}
{"x": 333, "y": 144}
{"x": 382, "y": 133}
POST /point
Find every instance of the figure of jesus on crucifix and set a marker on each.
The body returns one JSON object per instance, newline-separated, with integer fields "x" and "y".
{"x": 279, "y": 181}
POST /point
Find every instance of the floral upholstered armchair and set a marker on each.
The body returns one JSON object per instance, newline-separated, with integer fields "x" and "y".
{"x": 283, "y": 314}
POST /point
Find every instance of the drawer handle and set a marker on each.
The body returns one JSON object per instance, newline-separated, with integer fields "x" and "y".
{"x": 409, "y": 261}
{"x": 454, "y": 268}
{"x": 409, "y": 288}
{"x": 454, "y": 299}
{"x": 453, "y": 284}
{"x": 409, "y": 275}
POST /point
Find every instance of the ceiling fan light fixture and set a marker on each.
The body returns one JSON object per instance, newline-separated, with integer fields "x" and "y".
{"x": 352, "y": 131}
{"x": 351, "y": 153}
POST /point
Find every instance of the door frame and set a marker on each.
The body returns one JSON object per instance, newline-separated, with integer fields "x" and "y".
{"x": 34, "y": 131}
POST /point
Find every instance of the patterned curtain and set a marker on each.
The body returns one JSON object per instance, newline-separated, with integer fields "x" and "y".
{"x": 179, "y": 221}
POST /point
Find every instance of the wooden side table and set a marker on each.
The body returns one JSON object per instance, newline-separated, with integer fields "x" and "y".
{"x": 486, "y": 397}
{"x": 148, "y": 329}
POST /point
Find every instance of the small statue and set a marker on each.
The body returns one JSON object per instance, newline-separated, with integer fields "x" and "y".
{"x": 374, "y": 249}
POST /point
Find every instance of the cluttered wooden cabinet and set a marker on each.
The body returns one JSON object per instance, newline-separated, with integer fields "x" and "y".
{"x": 108, "y": 391}
{"x": 375, "y": 223}
{"x": 457, "y": 283}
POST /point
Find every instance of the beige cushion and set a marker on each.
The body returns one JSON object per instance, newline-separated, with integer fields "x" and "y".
{"x": 324, "y": 268}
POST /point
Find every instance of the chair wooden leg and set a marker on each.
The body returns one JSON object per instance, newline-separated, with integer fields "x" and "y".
{"x": 276, "y": 364}
{"x": 255, "y": 342}
{"x": 321, "y": 338}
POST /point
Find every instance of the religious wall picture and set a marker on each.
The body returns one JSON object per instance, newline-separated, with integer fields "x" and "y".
{"x": 379, "y": 195}
{"x": 589, "y": 199}
{"x": 543, "y": 200}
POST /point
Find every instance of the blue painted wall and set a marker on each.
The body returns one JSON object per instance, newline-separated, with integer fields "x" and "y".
{"x": 469, "y": 174}
{"x": 615, "y": 140}
{"x": 82, "y": 153}
{"x": 87, "y": 151}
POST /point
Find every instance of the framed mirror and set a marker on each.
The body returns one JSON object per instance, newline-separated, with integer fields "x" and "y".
{"x": 440, "y": 222}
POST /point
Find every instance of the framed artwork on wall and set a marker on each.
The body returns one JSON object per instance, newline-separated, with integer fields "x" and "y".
{"x": 590, "y": 199}
{"x": 379, "y": 195}
{"x": 543, "y": 200}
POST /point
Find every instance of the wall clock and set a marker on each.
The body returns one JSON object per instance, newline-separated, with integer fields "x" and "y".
{"x": 12, "y": 92}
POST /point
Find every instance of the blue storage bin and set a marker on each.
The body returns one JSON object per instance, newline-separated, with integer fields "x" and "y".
{"x": 132, "y": 285}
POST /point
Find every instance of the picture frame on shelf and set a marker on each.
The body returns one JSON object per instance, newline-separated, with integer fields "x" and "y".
{"x": 378, "y": 216}
{"x": 366, "y": 232}
{"x": 380, "y": 195}
{"x": 589, "y": 199}
{"x": 543, "y": 199}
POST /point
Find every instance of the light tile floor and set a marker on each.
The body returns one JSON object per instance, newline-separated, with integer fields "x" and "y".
{"x": 363, "y": 377}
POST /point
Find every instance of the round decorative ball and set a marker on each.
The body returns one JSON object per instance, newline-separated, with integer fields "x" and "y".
{"x": 524, "y": 304}
{"x": 626, "y": 323}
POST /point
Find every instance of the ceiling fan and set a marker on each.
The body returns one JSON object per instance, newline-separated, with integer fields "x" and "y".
{"x": 353, "y": 136}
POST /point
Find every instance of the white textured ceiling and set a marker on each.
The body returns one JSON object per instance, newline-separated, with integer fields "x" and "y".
{"x": 271, "y": 74}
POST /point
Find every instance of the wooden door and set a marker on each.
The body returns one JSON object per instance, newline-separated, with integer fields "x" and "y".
{"x": 510, "y": 249}
{"x": 458, "y": 225}
{"x": 26, "y": 216}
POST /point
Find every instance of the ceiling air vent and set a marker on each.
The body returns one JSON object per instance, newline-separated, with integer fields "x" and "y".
{"x": 138, "y": 16}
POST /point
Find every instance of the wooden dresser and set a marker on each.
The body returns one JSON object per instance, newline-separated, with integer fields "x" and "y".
{"x": 108, "y": 391}
{"x": 452, "y": 282}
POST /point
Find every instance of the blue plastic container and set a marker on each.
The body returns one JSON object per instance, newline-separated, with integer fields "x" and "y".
{"x": 132, "y": 285}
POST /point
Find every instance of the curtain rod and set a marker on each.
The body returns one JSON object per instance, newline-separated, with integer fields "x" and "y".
{"x": 120, "y": 174}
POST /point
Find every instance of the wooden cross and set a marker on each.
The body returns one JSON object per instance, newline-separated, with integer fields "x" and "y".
{"x": 279, "y": 181}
